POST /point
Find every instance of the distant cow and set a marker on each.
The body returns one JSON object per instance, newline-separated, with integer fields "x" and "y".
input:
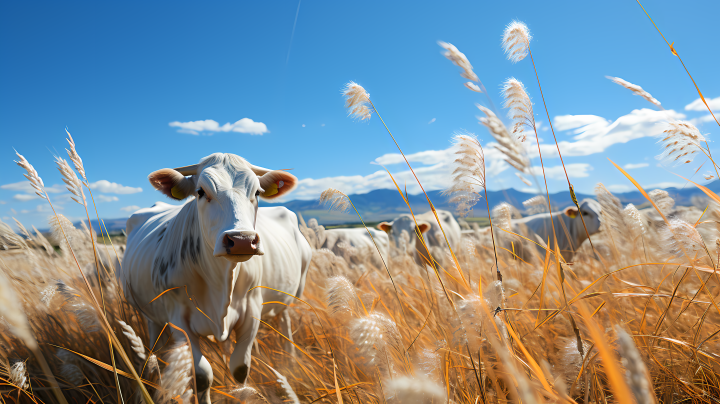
{"x": 354, "y": 244}
{"x": 211, "y": 252}
{"x": 569, "y": 228}
{"x": 427, "y": 225}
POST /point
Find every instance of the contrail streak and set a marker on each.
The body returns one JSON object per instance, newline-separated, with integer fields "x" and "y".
{"x": 293, "y": 32}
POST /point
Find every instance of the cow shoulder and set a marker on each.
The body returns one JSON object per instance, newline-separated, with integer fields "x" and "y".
{"x": 141, "y": 216}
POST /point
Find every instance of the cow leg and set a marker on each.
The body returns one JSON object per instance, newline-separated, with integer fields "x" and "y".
{"x": 246, "y": 332}
{"x": 286, "y": 330}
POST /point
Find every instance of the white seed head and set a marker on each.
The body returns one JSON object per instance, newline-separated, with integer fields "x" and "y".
{"x": 336, "y": 200}
{"x": 519, "y": 106}
{"x": 135, "y": 341}
{"x": 71, "y": 180}
{"x": 516, "y": 41}
{"x": 468, "y": 176}
{"x": 357, "y": 101}
{"x": 19, "y": 375}
{"x": 459, "y": 59}
{"x": 32, "y": 176}
{"x": 681, "y": 143}
{"x": 637, "y": 90}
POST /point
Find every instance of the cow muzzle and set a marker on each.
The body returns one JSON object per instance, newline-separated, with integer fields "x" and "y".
{"x": 240, "y": 245}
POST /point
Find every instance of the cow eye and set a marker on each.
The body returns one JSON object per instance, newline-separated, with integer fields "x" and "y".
{"x": 257, "y": 193}
{"x": 200, "y": 192}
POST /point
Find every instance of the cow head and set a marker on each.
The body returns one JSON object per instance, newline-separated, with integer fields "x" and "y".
{"x": 590, "y": 210}
{"x": 407, "y": 224}
{"x": 227, "y": 189}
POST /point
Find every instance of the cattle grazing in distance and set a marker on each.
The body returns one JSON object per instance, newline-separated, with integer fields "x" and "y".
{"x": 213, "y": 252}
{"x": 569, "y": 230}
{"x": 355, "y": 244}
{"x": 402, "y": 232}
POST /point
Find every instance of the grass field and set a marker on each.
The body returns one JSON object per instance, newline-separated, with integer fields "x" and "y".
{"x": 631, "y": 318}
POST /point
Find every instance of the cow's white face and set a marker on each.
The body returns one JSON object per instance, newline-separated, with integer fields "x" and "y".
{"x": 590, "y": 210}
{"x": 404, "y": 223}
{"x": 227, "y": 191}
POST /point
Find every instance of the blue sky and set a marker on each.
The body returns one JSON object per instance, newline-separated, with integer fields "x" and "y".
{"x": 118, "y": 74}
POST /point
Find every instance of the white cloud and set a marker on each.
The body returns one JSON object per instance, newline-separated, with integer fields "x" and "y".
{"x": 105, "y": 198}
{"x": 42, "y": 208}
{"x": 303, "y": 125}
{"x": 131, "y": 208}
{"x": 575, "y": 170}
{"x": 698, "y": 105}
{"x": 431, "y": 121}
{"x": 245, "y": 125}
{"x": 434, "y": 173}
{"x": 702, "y": 119}
{"x": 24, "y": 186}
{"x": 630, "y": 166}
{"x": 595, "y": 135}
{"x": 25, "y": 197}
{"x": 620, "y": 188}
{"x": 322, "y": 124}
{"x": 2, "y": 202}
{"x": 666, "y": 184}
{"x": 108, "y": 187}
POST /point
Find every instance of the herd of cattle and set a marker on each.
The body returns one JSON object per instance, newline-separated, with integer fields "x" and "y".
{"x": 222, "y": 253}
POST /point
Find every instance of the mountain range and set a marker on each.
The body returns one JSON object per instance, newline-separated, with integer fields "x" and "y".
{"x": 386, "y": 204}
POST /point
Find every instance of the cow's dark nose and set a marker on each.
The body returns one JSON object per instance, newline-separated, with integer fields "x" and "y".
{"x": 241, "y": 242}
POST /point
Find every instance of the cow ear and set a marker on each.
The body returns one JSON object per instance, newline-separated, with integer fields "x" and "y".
{"x": 423, "y": 226}
{"x": 172, "y": 183}
{"x": 277, "y": 183}
{"x": 571, "y": 212}
{"x": 384, "y": 226}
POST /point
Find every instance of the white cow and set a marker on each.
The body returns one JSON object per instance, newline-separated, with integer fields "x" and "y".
{"x": 427, "y": 224}
{"x": 340, "y": 241}
{"x": 569, "y": 229}
{"x": 215, "y": 249}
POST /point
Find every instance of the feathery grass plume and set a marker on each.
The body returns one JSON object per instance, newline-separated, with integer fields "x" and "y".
{"x": 473, "y": 87}
{"x": 32, "y": 176}
{"x": 43, "y": 241}
{"x": 8, "y": 238}
{"x": 248, "y": 395}
{"x": 12, "y": 311}
{"x": 633, "y": 220}
{"x": 468, "y": 177}
{"x": 334, "y": 199}
{"x": 507, "y": 145}
{"x": 75, "y": 157}
{"x": 502, "y": 215}
{"x": 663, "y": 200}
{"x": 637, "y": 90}
{"x": 357, "y": 101}
{"x": 340, "y": 296}
{"x": 516, "y": 41}
{"x": 47, "y": 294}
{"x": 680, "y": 143}
{"x": 611, "y": 213}
{"x": 636, "y": 374}
{"x": 682, "y": 236}
{"x": 418, "y": 390}
{"x": 373, "y": 333}
{"x": 429, "y": 364}
{"x": 524, "y": 180}
{"x": 19, "y": 375}
{"x": 71, "y": 180}
{"x": 135, "y": 342}
{"x": 283, "y": 382}
{"x": 152, "y": 364}
{"x": 176, "y": 376}
{"x": 535, "y": 205}
{"x": 519, "y": 106}
{"x": 458, "y": 58}
{"x": 22, "y": 229}
{"x": 85, "y": 314}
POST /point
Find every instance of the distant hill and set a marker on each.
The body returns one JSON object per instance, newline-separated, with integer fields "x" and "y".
{"x": 384, "y": 204}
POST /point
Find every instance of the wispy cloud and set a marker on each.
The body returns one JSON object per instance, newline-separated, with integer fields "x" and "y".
{"x": 631, "y": 166}
{"x": 25, "y": 197}
{"x": 575, "y": 170}
{"x": 431, "y": 121}
{"x": 594, "y": 134}
{"x": 698, "y": 105}
{"x": 24, "y": 186}
{"x": 108, "y": 187}
{"x": 245, "y": 125}
{"x": 105, "y": 198}
{"x": 131, "y": 208}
